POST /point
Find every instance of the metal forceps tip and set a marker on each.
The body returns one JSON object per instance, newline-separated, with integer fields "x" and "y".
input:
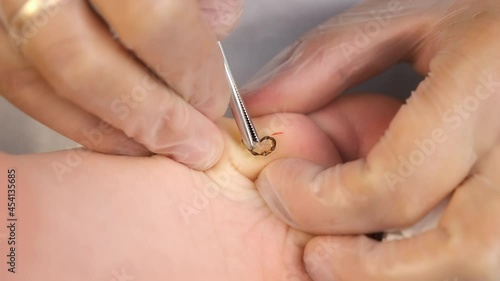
{"x": 245, "y": 125}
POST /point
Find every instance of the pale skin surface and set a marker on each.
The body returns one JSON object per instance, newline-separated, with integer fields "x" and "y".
{"x": 461, "y": 53}
{"x": 444, "y": 143}
{"x": 144, "y": 215}
{"x": 55, "y": 60}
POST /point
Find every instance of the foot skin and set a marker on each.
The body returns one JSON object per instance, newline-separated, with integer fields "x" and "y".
{"x": 88, "y": 216}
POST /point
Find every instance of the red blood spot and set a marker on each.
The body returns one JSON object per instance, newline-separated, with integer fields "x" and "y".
{"x": 277, "y": 133}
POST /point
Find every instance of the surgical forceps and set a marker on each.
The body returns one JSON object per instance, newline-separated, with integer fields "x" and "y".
{"x": 245, "y": 125}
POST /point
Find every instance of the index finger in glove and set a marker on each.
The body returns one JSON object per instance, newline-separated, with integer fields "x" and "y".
{"x": 76, "y": 54}
{"x": 174, "y": 39}
{"x": 430, "y": 147}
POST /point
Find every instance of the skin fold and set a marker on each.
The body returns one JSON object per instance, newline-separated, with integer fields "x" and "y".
{"x": 443, "y": 143}
{"x": 152, "y": 218}
{"x": 88, "y": 216}
{"x": 160, "y": 72}
{"x": 98, "y": 217}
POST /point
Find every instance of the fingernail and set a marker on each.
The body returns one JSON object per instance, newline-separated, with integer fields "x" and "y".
{"x": 200, "y": 155}
{"x": 131, "y": 148}
{"x": 318, "y": 260}
{"x": 272, "y": 199}
{"x": 269, "y": 71}
{"x": 222, "y": 18}
{"x": 323, "y": 273}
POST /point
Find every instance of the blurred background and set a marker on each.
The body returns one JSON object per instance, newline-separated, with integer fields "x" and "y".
{"x": 266, "y": 28}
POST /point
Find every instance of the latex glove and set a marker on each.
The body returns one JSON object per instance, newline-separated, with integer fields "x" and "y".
{"x": 444, "y": 141}
{"x": 123, "y": 218}
{"x": 68, "y": 70}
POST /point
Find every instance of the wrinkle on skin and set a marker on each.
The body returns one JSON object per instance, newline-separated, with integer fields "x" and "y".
{"x": 118, "y": 211}
{"x": 222, "y": 16}
{"x": 293, "y": 142}
{"x": 123, "y": 205}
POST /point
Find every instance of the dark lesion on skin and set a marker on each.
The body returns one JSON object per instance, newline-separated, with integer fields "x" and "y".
{"x": 265, "y": 147}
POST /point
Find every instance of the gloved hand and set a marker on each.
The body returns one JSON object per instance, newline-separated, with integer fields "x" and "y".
{"x": 151, "y": 69}
{"x": 115, "y": 213}
{"x": 444, "y": 141}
